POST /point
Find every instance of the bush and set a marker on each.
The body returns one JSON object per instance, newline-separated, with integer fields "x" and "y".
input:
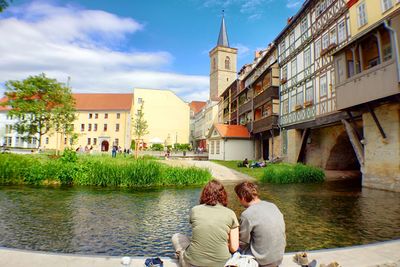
{"x": 69, "y": 155}
{"x": 157, "y": 147}
{"x": 283, "y": 173}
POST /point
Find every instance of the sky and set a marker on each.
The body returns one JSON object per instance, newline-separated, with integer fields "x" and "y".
{"x": 104, "y": 46}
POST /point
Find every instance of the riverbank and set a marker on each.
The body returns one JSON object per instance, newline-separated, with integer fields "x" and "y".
{"x": 383, "y": 254}
{"x": 218, "y": 171}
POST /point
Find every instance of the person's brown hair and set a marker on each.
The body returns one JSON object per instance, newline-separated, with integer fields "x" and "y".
{"x": 247, "y": 191}
{"x": 214, "y": 193}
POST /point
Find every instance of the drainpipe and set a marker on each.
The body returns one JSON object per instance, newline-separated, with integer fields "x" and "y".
{"x": 393, "y": 37}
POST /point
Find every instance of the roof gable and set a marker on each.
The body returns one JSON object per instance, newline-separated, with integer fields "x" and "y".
{"x": 230, "y": 131}
{"x": 103, "y": 101}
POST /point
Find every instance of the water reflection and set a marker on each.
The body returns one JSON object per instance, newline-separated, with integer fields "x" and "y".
{"x": 131, "y": 222}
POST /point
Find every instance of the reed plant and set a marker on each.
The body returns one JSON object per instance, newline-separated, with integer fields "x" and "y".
{"x": 96, "y": 171}
{"x": 284, "y": 173}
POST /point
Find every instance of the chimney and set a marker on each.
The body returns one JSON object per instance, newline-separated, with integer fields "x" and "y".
{"x": 289, "y": 20}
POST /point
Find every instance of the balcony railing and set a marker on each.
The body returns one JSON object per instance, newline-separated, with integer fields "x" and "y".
{"x": 245, "y": 107}
{"x": 270, "y": 93}
{"x": 377, "y": 82}
{"x": 265, "y": 124}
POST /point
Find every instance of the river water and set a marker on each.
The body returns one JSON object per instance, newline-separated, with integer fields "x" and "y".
{"x": 112, "y": 221}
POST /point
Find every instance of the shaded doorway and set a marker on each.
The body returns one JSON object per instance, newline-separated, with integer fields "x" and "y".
{"x": 104, "y": 146}
{"x": 265, "y": 149}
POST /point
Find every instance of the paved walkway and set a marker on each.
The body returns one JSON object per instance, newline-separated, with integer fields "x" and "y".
{"x": 219, "y": 172}
{"x": 384, "y": 254}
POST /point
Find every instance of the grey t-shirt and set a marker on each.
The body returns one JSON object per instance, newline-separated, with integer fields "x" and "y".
{"x": 262, "y": 233}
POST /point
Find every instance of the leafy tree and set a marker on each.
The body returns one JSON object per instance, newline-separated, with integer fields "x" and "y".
{"x": 4, "y": 4}
{"x": 139, "y": 128}
{"x": 41, "y": 104}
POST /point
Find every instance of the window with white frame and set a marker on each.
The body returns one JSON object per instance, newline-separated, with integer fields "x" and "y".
{"x": 217, "y": 147}
{"x": 291, "y": 41}
{"x": 387, "y": 52}
{"x": 293, "y": 100}
{"x": 299, "y": 96}
{"x": 309, "y": 92}
{"x": 304, "y": 27}
{"x": 282, "y": 47}
{"x": 362, "y": 14}
{"x": 318, "y": 48}
{"x": 386, "y": 5}
{"x": 323, "y": 87}
{"x": 294, "y": 68}
{"x": 307, "y": 58}
{"x": 212, "y": 147}
{"x": 332, "y": 36}
{"x": 285, "y": 106}
{"x": 284, "y": 73}
{"x": 325, "y": 41}
{"x": 341, "y": 31}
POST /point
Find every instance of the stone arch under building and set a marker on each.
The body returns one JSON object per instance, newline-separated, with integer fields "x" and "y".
{"x": 342, "y": 155}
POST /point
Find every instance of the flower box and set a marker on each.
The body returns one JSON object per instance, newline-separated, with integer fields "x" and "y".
{"x": 283, "y": 81}
{"x": 298, "y": 107}
{"x": 308, "y": 103}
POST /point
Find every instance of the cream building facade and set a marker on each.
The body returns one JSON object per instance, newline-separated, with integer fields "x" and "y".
{"x": 102, "y": 120}
{"x": 167, "y": 116}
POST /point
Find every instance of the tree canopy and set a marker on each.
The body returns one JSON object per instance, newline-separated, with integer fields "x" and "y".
{"x": 41, "y": 104}
{"x": 4, "y": 4}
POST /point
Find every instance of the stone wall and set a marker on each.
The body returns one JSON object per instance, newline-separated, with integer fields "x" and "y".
{"x": 277, "y": 147}
{"x": 294, "y": 139}
{"x": 382, "y": 156}
{"x": 329, "y": 148}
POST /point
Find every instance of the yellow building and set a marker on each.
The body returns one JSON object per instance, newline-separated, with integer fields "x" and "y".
{"x": 167, "y": 116}
{"x": 102, "y": 120}
{"x": 364, "y": 14}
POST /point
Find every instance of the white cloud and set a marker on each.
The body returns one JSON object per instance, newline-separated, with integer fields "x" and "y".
{"x": 254, "y": 9}
{"x": 70, "y": 41}
{"x": 243, "y": 50}
{"x": 293, "y": 3}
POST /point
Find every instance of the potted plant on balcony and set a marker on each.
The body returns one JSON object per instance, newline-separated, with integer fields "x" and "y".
{"x": 283, "y": 80}
{"x": 308, "y": 103}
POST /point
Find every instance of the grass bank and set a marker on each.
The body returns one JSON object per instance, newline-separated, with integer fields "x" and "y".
{"x": 280, "y": 173}
{"x": 71, "y": 169}
{"x": 256, "y": 173}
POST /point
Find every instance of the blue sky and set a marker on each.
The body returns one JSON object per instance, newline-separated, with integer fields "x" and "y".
{"x": 114, "y": 46}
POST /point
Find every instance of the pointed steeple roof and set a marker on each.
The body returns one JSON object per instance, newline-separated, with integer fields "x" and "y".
{"x": 223, "y": 35}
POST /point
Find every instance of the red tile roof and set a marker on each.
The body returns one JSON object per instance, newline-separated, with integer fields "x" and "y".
{"x": 233, "y": 131}
{"x": 4, "y": 108}
{"x": 103, "y": 101}
{"x": 196, "y": 106}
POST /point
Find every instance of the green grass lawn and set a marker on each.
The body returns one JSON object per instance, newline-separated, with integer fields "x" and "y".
{"x": 256, "y": 173}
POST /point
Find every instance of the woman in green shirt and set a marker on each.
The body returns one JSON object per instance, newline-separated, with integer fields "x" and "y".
{"x": 215, "y": 232}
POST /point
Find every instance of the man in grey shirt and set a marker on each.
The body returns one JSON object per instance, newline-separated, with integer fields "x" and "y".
{"x": 262, "y": 227}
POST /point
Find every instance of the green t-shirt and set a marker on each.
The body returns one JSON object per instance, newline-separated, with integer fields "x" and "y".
{"x": 210, "y": 231}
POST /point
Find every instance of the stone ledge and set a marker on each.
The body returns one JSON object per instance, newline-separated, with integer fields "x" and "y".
{"x": 383, "y": 254}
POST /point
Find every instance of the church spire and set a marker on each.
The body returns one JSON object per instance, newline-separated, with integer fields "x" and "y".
{"x": 223, "y": 36}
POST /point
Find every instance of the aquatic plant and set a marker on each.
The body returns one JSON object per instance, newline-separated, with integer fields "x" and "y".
{"x": 284, "y": 173}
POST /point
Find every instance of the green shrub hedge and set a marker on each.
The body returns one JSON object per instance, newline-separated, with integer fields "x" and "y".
{"x": 283, "y": 173}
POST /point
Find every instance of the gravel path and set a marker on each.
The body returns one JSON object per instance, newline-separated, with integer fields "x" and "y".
{"x": 219, "y": 172}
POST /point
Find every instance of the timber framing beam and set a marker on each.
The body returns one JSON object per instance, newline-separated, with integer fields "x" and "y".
{"x": 371, "y": 111}
{"x": 304, "y": 137}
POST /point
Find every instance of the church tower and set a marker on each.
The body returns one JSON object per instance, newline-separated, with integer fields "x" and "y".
{"x": 222, "y": 64}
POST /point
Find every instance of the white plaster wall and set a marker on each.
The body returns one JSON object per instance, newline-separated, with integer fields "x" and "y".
{"x": 238, "y": 149}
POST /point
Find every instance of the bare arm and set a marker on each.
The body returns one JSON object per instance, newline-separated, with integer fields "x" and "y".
{"x": 234, "y": 240}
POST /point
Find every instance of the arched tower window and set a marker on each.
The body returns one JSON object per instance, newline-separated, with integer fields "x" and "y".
{"x": 227, "y": 63}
